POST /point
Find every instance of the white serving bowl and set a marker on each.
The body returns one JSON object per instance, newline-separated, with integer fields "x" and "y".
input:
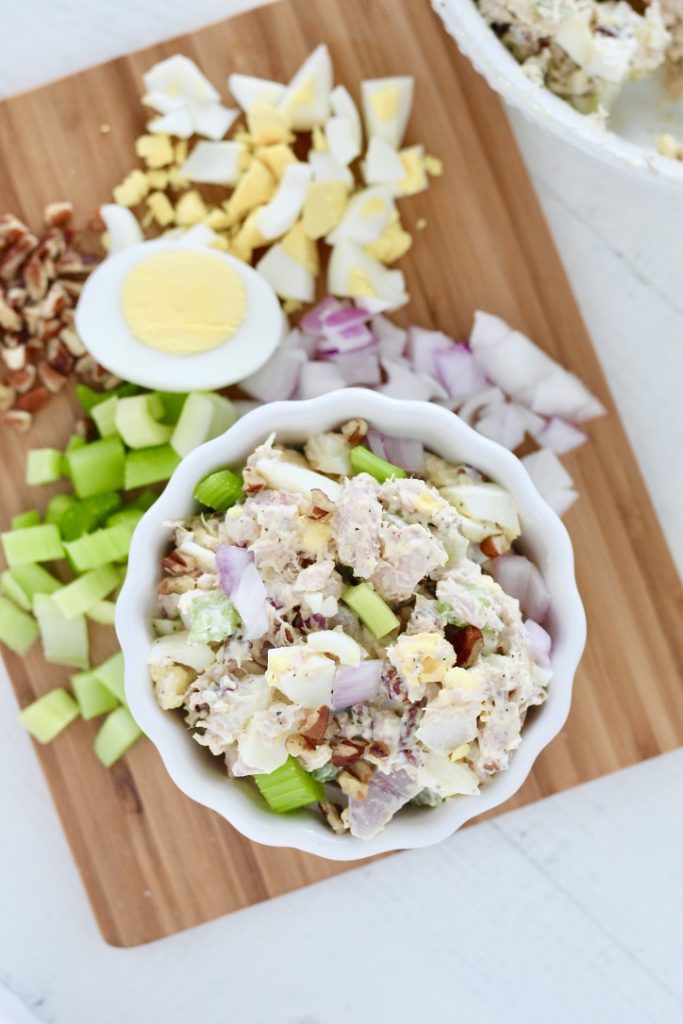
{"x": 203, "y": 778}
{"x": 642, "y": 110}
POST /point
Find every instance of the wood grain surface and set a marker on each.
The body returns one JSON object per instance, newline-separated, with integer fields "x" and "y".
{"x": 152, "y": 861}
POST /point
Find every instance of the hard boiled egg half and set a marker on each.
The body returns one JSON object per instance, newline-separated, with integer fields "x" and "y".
{"x": 175, "y": 313}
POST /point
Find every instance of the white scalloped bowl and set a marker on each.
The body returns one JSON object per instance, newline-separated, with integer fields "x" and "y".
{"x": 202, "y": 777}
{"x": 641, "y": 112}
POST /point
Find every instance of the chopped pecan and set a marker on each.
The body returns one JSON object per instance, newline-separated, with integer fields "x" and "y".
{"x": 58, "y": 214}
{"x": 178, "y": 564}
{"x": 22, "y": 380}
{"x": 71, "y": 340}
{"x": 354, "y": 431}
{"x": 495, "y": 545}
{"x": 11, "y": 229}
{"x": 54, "y": 302}
{"x": 6, "y": 397}
{"x": 346, "y": 752}
{"x": 53, "y": 380}
{"x": 333, "y": 817}
{"x": 362, "y": 771}
{"x": 9, "y": 318}
{"x": 322, "y": 506}
{"x": 50, "y": 329}
{"x": 253, "y": 481}
{"x": 34, "y": 399}
{"x": 72, "y": 288}
{"x": 176, "y": 585}
{"x": 377, "y": 750}
{"x": 52, "y": 245}
{"x": 467, "y": 642}
{"x": 58, "y": 356}
{"x": 315, "y": 726}
{"x": 11, "y": 259}
{"x": 17, "y": 419}
{"x": 72, "y": 262}
{"x": 296, "y": 745}
{"x": 14, "y": 356}
{"x": 35, "y": 277}
{"x": 16, "y": 296}
{"x": 351, "y": 786}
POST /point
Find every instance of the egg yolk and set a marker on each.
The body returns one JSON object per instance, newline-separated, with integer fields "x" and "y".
{"x": 183, "y": 302}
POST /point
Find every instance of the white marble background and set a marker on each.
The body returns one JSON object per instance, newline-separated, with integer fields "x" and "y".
{"x": 571, "y": 907}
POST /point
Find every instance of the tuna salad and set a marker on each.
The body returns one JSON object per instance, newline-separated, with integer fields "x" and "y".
{"x": 348, "y": 625}
{"x": 586, "y": 50}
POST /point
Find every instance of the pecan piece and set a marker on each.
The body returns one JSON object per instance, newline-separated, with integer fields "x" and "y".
{"x": 322, "y": 506}
{"x": 11, "y": 229}
{"x": 377, "y": 750}
{"x": 56, "y": 215}
{"x": 70, "y": 338}
{"x": 12, "y": 258}
{"x": 362, "y": 771}
{"x": 177, "y": 564}
{"x": 175, "y": 585}
{"x": 22, "y": 380}
{"x": 54, "y": 302}
{"x": 315, "y": 726}
{"x": 72, "y": 262}
{"x": 6, "y": 397}
{"x": 53, "y": 380}
{"x": 34, "y": 399}
{"x": 346, "y": 752}
{"x": 467, "y": 642}
{"x": 58, "y": 356}
{"x": 35, "y": 277}
{"x": 495, "y": 545}
{"x": 14, "y": 355}
{"x": 17, "y": 419}
{"x": 351, "y": 786}
{"x": 296, "y": 745}
{"x": 333, "y": 817}
{"x": 252, "y": 479}
{"x": 354, "y": 431}
{"x": 9, "y": 318}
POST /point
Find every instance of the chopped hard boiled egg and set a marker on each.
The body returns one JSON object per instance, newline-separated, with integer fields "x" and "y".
{"x": 282, "y": 211}
{"x": 215, "y": 163}
{"x": 326, "y": 168}
{"x": 387, "y": 104}
{"x": 382, "y": 164}
{"x": 366, "y": 216}
{"x": 180, "y": 78}
{"x": 248, "y": 90}
{"x": 324, "y": 207}
{"x": 353, "y": 273}
{"x": 414, "y": 179}
{"x": 288, "y": 278}
{"x": 123, "y": 229}
{"x": 306, "y": 99}
{"x": 276, "y": 157}
{"x": 268, "y": 125}
{"x": 255, "y": 187}
{"x": 302, "y": 675}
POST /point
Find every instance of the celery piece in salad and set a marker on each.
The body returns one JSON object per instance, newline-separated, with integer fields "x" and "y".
{"x": 213, "y": 618}
{"x": 137, "y": 421}
{"x": 82, "y": 517}
{"x": 119, "y": 732}
{"x": 43, "y": 466}
{"x": 289, "y": 787}
{"x": 11, "y": 589}
{"x": 23, "y": 582}
{"x": 104, "y": 613}
{"x": 46, "y": 717}
{"x": 65, "y": 641}
{"x": 149, "y": 466}
{"x": 98, "y": 467}
{"x": 371, "y": 609}
{"x": 32, "y": 544}
{"x": 173, "y": 402}
{"x": 110, "y": 673}
{"x": 88, "y": 399}
{"x": 104, "y": 415}
{"x": 99, "y": 548}
{"x": 128, "y": 517}
{"x": 74, "y": 442}
{"x": 93, "y": 698}
{"x": 29, "y": 518}
{"x": 219, "y": 490}
{"x": 77, "y": 597}
{"x": 57, "y": 506}
{"x": 365, "y": 461}
{"x": 204, "y": 416}
{"x": 18, "y": 630}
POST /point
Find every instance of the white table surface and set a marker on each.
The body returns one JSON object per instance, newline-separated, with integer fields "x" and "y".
{"x": 569, "y": 907}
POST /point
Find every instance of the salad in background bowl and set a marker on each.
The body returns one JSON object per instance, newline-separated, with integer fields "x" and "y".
{"x": 390, "y": 634}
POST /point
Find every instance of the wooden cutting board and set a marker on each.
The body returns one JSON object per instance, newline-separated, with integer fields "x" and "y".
{"x": 152, "y": 861}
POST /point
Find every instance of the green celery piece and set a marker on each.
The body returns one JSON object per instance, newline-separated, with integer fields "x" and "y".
{"x": 289, "y": 787}
{"x": 371, "y": 609}
{"x": 219, "y": 490}
{"x": 97, "y": 467}
{"x": 144, "y": 500}
{"x": 149, "y": 466}
{"x": 104, "y": 415}
{"x": 18, "y": 630}
{"x": 128, "y": 517}
{"x": 88, "y": 399}
{"x": 224, "y": 414}
{"x": 77, "y": 597}
{"x": 111, "y": 674}
{"x": 65, "y": 641}
{"x": 57, "y": 506}
{"x": 99, "y": 548}
{"x": 28, "y": 580}
{"x": 104, "y": 612}
{"x": 24, "y": 519}
{"x": 46, "y": 717}
{"x": 93, "y": 698}
{"x": 32, "y": 544}
{"x": 205, "y": 415}
{"x": 80, "y": 517}
{"x": 119, "y": 731}
{"x": 173, "y": 402}
{"x": 137, "y": 421}
{"x": 365, "y": 461}
{"x": 213, "y": 618}
{"x": 43, "y": 466}
{"x": 74, "y": 442}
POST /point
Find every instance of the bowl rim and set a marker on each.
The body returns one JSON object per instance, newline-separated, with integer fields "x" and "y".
{"x": 297, "y": 419}
{"x": 502, "y": 72}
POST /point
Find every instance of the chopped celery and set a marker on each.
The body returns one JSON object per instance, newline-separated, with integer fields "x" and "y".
{"x": 23, "y": 582}
{"x": 74, "y": 442}
{"x": 18, "y": 629}
{"x": 365, "y": 461}
{"x": 137, "y": 421}
{"x": 104, "y": 415}
{"x": 103, "y": 612}
{"x": 149, "y": 466}
{"x": 65, "y": 641}
{"x": 213, "y": 618}
{"x": 144, "y": 500}
{"x": 57, "y": 506}
{"x": 88, "y": 399}
{"x": 371, "y": 609}
{"x": 289, "y": 787}
{"x": 204, "y": 416}
{"x": 24, "y": 519}
{"x": 93, "y": 698}
{"x": 224, "y": 414}
{"x": 32, "y": 544}
{"x": 99, "y": 548}
{"x": 119, "y": 731}
{"x": 128, "y": 517}
{"x": 219, "y": 490}
{"x": 78, "y": 597}
{"x": 97, "y": 467}
{"x": 48, "y": 715}
{"x": 173, "y": 402}
{"x": 43, "y": 466}
{"x": 110, "y": 674}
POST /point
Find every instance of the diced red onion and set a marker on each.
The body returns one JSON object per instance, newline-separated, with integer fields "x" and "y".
{"x": 482, "y": 402}
{"x": 405, "y": 452}
{"x": 503, "y": 423}
{"x": 560, "y": 436}
{"x": 312, "y": 321}
{"x": 361, "y": 367}
{"x": 356, "y": 337}
{"x": 520, "y": 578}
{"x": 386, "y": 795}
{"x": 551, "y": 479}
{"x": 239, "y": 579}
{"x": 403, "y": 382}
{"x": 297, "y": 339}
{"x": 540, "y": 641}
{"x": 319, "y": 379}
{"x": 279, "y": 378}
{"x": 391, "y": 339}
{"x": 355, "y": 684}
{"x": 459, "y": 372}
{"x": 423, "y": 346}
